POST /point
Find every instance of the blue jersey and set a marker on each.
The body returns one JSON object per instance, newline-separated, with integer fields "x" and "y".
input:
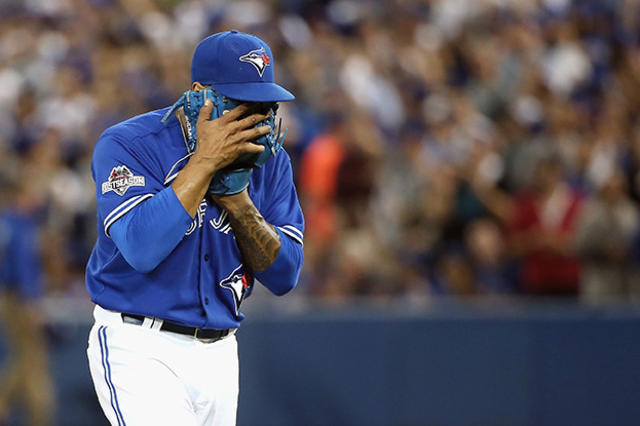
{"x": 203, "y": 281}
{"x": 20, "y": 270}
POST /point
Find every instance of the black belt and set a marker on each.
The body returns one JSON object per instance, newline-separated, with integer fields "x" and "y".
{"x": 198, "y": 333}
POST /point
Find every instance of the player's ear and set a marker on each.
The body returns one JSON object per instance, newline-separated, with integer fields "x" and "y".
{"x": 196, "y": 86}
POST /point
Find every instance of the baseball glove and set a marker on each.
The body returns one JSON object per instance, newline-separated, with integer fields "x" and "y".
{"x": 235, "y": 177}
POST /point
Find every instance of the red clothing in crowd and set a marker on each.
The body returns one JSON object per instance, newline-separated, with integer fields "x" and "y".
{"x": 318, "y": 182}
{"x": 547, "y": 268}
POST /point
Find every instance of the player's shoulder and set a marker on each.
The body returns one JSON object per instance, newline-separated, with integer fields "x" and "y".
{"x": 278, "y": 165}
{"x": 136, "y": 131}
{"x": 138, "y": 137}
{"x": 139, "y": 127}
{"x": 282, "y": 159}
{"x": 273, "y": 171}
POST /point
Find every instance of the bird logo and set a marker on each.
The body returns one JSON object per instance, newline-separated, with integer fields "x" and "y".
{"x": 258, "y": 58}
{"x": 239, "y": 283}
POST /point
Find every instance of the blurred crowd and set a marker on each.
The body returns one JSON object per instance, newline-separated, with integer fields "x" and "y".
{"x": 443, "y": 147}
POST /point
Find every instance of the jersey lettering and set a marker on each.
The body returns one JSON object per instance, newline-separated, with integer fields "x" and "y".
{"x": 199, "y": 220}
{"x": 222, "y": 223}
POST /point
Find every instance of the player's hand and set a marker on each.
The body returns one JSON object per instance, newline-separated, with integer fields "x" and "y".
{"x": 222, "y": 140}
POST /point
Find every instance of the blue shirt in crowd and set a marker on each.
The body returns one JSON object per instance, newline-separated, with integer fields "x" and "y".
{"x": 20, "y": 269}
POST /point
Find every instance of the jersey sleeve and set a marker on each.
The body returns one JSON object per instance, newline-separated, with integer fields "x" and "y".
{"x": 124, "y": 178}
{"x": 282, "y": 208}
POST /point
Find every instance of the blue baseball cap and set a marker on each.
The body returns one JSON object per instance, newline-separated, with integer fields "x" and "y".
{"x": 238, "y": 65}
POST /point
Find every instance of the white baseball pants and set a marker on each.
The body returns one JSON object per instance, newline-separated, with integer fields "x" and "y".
{"x": 144, "y": 376}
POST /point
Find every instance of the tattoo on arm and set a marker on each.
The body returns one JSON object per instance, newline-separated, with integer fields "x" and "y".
{"x": 257, "y": 239}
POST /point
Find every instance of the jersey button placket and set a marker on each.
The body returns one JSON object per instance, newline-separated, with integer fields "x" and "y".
{"x": 204, "y": 275}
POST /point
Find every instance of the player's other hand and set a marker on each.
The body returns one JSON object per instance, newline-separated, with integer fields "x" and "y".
{"x": 222, "y": 140}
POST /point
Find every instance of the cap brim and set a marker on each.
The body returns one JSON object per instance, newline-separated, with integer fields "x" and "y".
{"x": 254, "y": 92}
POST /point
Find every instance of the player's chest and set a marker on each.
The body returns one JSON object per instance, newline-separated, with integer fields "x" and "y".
{"x": 210, "y": 238}
{"x": 211, "y": 223}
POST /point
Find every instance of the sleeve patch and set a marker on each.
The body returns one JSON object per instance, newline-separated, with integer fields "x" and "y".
{"x": 120, "y": 179}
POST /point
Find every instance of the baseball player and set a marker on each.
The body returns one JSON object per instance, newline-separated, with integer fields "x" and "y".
{"x": 195, "y": 202}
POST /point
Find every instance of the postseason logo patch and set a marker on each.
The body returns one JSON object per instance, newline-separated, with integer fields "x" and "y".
{"x": 121, "y": 179}
{"x": 258, "y": 58}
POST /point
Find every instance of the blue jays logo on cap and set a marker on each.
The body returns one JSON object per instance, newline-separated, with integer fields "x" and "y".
{"x": 228, "y": 62}
{"x": 258, "y": 58}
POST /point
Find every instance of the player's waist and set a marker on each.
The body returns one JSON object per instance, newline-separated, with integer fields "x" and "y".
{"x": 207, "y": 335}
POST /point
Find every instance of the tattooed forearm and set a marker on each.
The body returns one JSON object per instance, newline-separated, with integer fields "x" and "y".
{"x": 257, "y": 239}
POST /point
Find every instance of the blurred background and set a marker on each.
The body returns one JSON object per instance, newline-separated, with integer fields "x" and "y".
{"x": 470, "y": 177}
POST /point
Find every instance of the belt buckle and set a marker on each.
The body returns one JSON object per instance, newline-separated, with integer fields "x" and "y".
{"x": 205, "y": 339}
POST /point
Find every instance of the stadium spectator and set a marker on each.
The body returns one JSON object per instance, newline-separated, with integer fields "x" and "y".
{"x": 542, "y": 232}
{"x": 24, "y": 379}
{"x": 604, "y": 240}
